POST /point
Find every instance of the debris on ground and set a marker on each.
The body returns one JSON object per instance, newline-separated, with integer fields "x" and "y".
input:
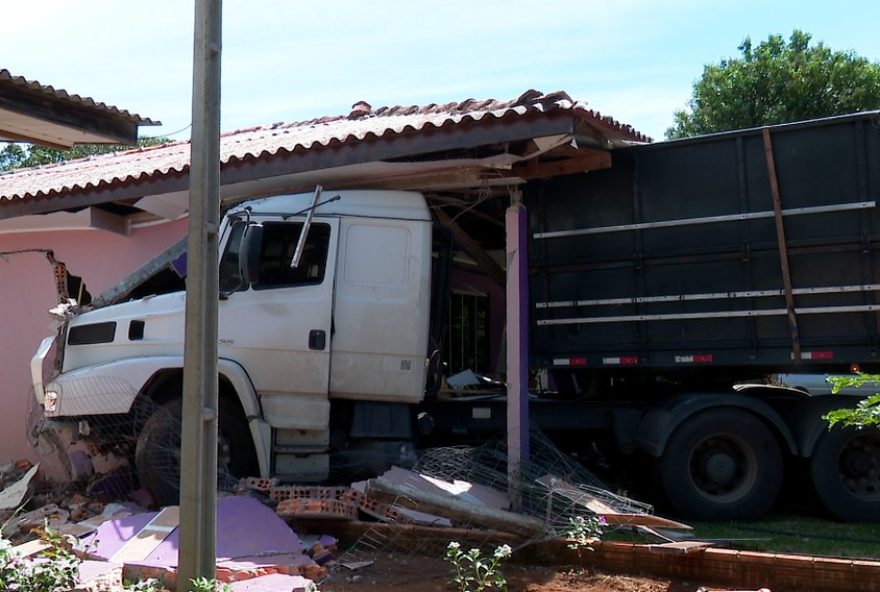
{"x": 274, "y": 536}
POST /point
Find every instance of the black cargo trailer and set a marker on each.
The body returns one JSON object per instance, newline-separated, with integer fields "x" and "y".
{"x": 742, "y": 253}
{"x": 661, "y": 284}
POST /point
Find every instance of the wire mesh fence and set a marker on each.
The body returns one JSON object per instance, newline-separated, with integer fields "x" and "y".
{"x": 553, "y": 488}
{"x": 112, "y": 454}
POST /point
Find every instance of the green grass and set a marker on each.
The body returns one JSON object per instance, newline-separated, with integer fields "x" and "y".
{"x": 785, "y": 533}
{"x": 789, "y": 533}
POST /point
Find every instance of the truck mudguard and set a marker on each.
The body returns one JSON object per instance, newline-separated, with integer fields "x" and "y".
{"x": 661, "y": 422}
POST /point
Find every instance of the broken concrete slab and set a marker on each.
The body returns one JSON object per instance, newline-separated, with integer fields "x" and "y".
{"x": 465, "y": 491}
{"x": 252, "y": 541}
{"x": 149, "y": 537}
{"x": 112, "y": 535}
{"x": 98, "y": 576}
{"x": 463, "y": 510}
{"x": 274, "y": 583}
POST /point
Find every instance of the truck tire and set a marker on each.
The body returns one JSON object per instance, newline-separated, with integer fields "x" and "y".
{"x": 845, "y": 469}
{"x": 721, "y": 464}
{"x": 157, "y": 454}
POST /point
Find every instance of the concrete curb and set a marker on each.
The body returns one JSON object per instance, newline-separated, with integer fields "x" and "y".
{"x": 779, "y": 572}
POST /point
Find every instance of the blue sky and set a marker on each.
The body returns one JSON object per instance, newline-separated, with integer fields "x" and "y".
{"x": 635, "y": 60}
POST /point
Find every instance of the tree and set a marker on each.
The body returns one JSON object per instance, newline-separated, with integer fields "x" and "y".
{"x": 866, "y": 412}
{"x": 16, "y": 156}
{"x": 777, "y": 82}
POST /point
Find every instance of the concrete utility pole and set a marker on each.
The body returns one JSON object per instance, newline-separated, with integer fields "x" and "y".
{"x": 198, "y": 458}
{"x": 516, "y": 226}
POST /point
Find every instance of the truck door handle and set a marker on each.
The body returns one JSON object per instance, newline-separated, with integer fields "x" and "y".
{"x": 317, "y": 339}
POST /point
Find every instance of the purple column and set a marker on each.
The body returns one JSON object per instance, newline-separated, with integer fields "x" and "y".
{"x": 516, "y": 224}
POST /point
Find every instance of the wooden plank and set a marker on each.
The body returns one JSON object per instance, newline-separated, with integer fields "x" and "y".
{"x": 649, "y": 520}
{"x": 149, "y": 537}
{"x": 681, "y": 547}
{"x": 30, "y": 548}
{"x": 782, "y": 244}
{"x": 591, "y": 161}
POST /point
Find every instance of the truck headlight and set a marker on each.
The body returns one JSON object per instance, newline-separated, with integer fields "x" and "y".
{"x": 50, "y": 401}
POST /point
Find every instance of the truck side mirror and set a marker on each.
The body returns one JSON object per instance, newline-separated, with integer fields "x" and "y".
{"x": 249, "y": 258}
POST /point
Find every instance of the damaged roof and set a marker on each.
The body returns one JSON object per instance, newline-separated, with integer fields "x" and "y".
{"x": 41, "y": 114}
{"x": 364, "y": 135}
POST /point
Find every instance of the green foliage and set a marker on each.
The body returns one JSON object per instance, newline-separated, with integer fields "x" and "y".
{"x": 582, "y": 531}
{"x": 204, "y": 584}
{"x": 53, "y": 570}
{"x": 148, "y": 585}
{"x": 866, "y": 412}
{"x": 16, "y": 156}
{"x": 472, "y": 572}
{"x": 777, "y": 82}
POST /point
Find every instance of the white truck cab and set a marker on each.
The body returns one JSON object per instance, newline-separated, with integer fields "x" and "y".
{"x": 348, "y": 324}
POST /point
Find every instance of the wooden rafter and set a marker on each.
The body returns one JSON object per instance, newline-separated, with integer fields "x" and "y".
{"x": 484, "y": 261}
{"x": 588, "y": 160}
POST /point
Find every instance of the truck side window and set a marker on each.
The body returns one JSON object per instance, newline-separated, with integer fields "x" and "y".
{"x": 230, "y": 275}
{"x": 279, "y": 245}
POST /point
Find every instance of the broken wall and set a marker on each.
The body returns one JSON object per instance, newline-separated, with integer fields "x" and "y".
{"x": 28, "y": 291}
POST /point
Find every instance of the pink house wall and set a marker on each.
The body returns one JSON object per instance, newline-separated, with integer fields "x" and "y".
{"x": 27, "y": 292}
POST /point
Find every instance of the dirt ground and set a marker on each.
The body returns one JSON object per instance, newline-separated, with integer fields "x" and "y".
{"x": 400, "y": 573}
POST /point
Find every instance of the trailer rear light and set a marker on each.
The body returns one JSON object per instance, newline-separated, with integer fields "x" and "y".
{"x": 621, "y": 361}
{"x": 694, "y": 359}
{"x": 569, "y": 361}
{"x": 816, "y": 355}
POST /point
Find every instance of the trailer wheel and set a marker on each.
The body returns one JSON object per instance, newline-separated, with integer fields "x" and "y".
{"x": 845, "y": 469}
{"x": 721, "y": 464}
{"x": 157, "y": 454}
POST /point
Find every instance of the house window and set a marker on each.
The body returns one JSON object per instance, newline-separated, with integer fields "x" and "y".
{"x": 467, "y": 343}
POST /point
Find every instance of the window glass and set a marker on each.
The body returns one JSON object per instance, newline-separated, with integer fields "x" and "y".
{"x": 279, "y": 244}
{"x": 230, "y": 275}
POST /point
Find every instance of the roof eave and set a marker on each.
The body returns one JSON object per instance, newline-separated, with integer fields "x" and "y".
{"x": 46, "y": 118}
{"x": 408, "y": 142}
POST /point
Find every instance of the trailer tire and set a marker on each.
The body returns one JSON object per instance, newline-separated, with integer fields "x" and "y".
{"x": 845, "y": 470}
{"x": 721, "y": 464}
{"x": 157, "y": 454}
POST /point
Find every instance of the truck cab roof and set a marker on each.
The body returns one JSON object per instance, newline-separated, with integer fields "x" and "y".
{"x": 401, "y": 205}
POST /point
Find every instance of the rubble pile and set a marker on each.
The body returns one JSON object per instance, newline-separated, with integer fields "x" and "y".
{"x": 273, "y": 535}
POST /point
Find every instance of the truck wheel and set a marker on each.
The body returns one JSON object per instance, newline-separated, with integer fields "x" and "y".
{"x": 845, "y": 469}
{"x": 157, "y": 454}
{"x": 721, "y": 464}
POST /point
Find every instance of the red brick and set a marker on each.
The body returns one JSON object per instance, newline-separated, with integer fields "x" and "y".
{"x": 833, "y": 574}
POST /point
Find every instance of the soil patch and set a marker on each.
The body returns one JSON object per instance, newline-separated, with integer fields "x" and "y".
{"x": 399, "y": 573}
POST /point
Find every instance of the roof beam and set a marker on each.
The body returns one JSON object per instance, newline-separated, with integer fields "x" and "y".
{"x": 484, "y": 261}
{"x": 79, "y": 119}
{"x": 589, "y": 160}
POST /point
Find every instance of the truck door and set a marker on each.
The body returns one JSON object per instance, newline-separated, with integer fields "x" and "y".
{"x": 279, "y": 328}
